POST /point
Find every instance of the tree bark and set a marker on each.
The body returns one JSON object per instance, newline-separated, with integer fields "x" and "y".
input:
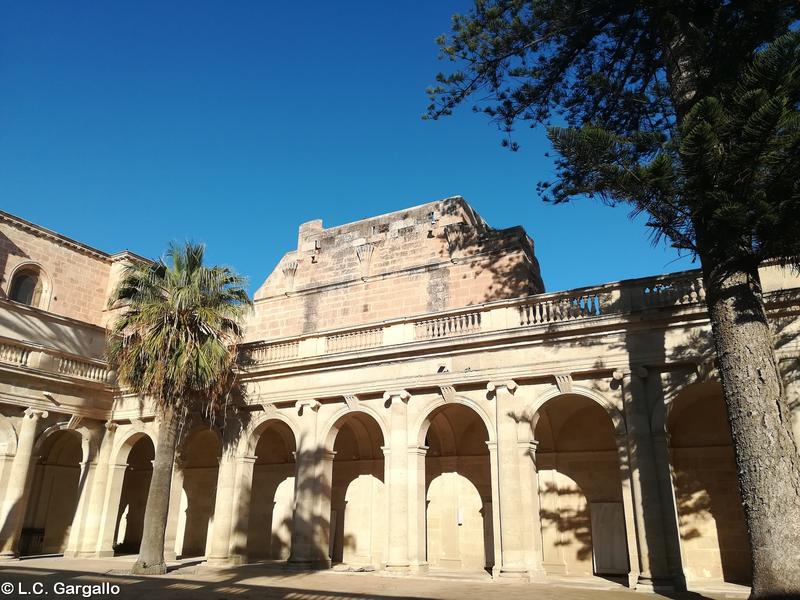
{"x": 151, "y": 552}
{"x": 765, "y": 449}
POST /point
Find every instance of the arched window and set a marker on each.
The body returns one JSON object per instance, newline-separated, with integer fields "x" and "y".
{"x": 26, "y": 287}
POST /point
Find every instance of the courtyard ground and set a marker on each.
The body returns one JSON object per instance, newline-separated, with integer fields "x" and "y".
{"x": 196, "y": 581}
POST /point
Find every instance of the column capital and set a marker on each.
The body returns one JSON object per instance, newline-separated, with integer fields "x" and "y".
{"x": 110, "y": 425}
{"x": 495, "y": 386}
{"x": 327, "y": 455}
{"x": 528, "y": 448}
{"x": 418, "y": 450}
{"x": 35, "y": 413}
{"x": 394, "y": 395}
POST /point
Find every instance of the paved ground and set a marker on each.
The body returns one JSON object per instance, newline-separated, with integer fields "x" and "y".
{"x": 51, "y": 578}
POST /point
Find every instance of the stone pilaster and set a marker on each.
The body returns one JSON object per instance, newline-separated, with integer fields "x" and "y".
{"x": 397, "y": 479}
{"x": 15, "y": 501}
{"x": 94, "y": 517}
{"x": 656, "y": 527}
{"x": 512, "y": 542}
{"x": 417, "y": 505}
{"x": 303, "y": 551}
{"x": 223, "y": 507}
{"x": 241, "y": 508}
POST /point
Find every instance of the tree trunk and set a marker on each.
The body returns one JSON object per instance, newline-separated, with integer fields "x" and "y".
{"x": 151, "y": 552}
{"x": 766, "y": 452}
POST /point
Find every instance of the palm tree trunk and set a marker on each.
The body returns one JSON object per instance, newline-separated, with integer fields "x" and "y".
{"x": 766, "y": 452}
{"x": 151, "y": 552}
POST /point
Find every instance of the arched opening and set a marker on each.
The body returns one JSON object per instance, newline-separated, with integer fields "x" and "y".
{"x": 358, "y": 522}
{"x": 133, "y": 498}
{"x": 580, "y": 489}
{"x": 458, "y": 483}
{"x": 200, "y": 464}
{"x": 272, "y": 499}
{"x": 54, "y": 495}
{"x": 711, "y": 520}
{"x": 27, "y": 286}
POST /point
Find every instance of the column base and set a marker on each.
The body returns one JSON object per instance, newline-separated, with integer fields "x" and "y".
{"x": 515, "y": 574}
{"x": 8, "y": 556}
{"x": 420, "y": 569}
{"x": 654, "y": 586}
{"x": 307, "y": 565}
{"x": 218, "y": 561}
{"x": 397, "y": 569}
{"x": 103, "y": 554}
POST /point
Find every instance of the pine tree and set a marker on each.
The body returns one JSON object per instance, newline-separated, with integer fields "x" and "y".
{"x": 688, "y": 112}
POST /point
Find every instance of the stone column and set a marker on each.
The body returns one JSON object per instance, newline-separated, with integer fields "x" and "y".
{"x": 173, "y": 515}
{"x": 223, "y": 508}
{"x": 496, "y": 543}
{"x": 108, "y": 524}
{"x": 655, "y": 523}
{"x": 241, "y": 509}
{"x": 303, "y": 522}
{"x": 77, "y": 530}
{"x": 529, "y": 487}
{"x": 14, "y": 504}
{"x": 512, "y": 543}
{"x": 94, "y": 517}
{"x": 321, "y": 549}
{"x": 396, "y": 468}
{"x": 416, "y": 508}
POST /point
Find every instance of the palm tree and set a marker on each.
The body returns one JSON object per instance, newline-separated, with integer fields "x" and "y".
{"x": 174, "y": 343}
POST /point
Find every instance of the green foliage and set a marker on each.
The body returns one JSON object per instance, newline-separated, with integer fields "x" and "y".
{"x": 175, "y": 338}
{"x": 685, "y": 110}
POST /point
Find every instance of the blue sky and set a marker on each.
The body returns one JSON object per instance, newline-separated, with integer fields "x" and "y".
{"x": 129, "y": 124}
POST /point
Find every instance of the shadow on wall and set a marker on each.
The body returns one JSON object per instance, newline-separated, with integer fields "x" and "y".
{"x": 571, "y": 519}
{"x": 7, "y": 248}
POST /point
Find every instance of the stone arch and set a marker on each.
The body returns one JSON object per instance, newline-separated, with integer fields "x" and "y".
{"x": 200, "y": 454}
{"x": 266, "y": 514}
{"x": 338, "y": 419}
{"x": 127, "y": 489}
{"x": 354, "y": 464}
{"x": 257, "y": 427}
{"x": 89, "y": 445}
{"x": 58, "y": 480}
{"x": 123, "y": 445}
{"x": 455, "y": 496}
{"x": 586, "y": 505}
{"x": 614, "y": 413}
{"x": 423, "y": 422}
{"x": 713, "y": 535}
{"x": 44, "y": 289}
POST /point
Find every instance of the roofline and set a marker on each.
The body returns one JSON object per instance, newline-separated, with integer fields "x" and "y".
{"x": 30, "y": 227}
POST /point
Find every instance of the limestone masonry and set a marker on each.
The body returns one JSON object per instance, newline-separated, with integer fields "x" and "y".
{"x": 416, "y": 403}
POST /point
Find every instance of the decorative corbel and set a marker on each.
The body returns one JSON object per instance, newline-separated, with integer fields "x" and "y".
{"x": 352, "y": 401}
{"x": 289, "y": 270}
{"x": 564, "y": 382}
{"x": 448, "y": 393}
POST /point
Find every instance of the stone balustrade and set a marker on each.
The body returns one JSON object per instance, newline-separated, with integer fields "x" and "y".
{"x": 354, "y": 340}
{"x": 38, "y": 340}
{"x": 14, "y": 353}
{"x": 676, "y": 291}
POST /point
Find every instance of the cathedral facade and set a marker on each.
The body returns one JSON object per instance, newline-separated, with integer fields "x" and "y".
{"x": 415, "y": 402}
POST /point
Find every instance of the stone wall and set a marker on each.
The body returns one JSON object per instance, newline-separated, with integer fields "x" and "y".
{"x": 432, "y": 257}
{"x": 76, "y": 276}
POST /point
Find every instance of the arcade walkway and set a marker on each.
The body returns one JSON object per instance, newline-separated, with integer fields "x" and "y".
{"x": 193, "y": 580}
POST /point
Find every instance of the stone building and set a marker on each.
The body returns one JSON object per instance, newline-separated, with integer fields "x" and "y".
{"x": 416, "y": 402}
